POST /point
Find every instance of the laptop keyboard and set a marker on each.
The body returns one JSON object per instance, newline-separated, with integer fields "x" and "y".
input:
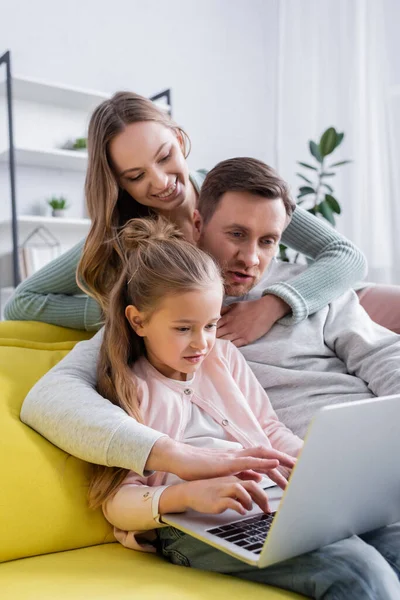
{"x": 248, "y": 533}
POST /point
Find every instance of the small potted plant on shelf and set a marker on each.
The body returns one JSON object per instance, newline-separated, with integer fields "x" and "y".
{"x": 59, "y": 206}
{"x": 79, "y": 143}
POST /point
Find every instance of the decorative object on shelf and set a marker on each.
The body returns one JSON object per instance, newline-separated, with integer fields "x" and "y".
{"x": 79, "y": 143}
{"x": 38, "y": 249}
{"x": 59, "y": 206}
{"x": 315, "y": 193}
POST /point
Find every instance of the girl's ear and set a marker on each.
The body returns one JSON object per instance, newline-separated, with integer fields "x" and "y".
{"x": 135, "y": 319}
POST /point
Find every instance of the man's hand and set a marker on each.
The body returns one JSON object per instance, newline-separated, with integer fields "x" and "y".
{"x": 191, "y": 463}
{"x": 245, "y": 322}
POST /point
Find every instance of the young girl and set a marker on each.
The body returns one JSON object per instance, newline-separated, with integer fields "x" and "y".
{"x": 160, "y": 361}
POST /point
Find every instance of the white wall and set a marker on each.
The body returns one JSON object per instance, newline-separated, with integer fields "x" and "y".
{"x": 218, "y": 56}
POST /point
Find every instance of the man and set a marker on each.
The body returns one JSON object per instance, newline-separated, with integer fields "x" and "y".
{"x": 336, "y": 355}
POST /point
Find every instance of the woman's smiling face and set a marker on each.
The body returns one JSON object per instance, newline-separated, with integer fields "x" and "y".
{"x": 149, "y": 164}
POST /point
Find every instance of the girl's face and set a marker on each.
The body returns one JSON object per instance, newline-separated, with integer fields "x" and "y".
{"x": 181, "y": 332}
{"x": 149, "y": 164}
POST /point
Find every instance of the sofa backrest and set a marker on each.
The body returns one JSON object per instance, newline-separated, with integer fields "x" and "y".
{"x": 43, "y": 505}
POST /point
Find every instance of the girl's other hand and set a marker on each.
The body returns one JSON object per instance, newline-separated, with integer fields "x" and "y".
{"x": 214, "y": 496}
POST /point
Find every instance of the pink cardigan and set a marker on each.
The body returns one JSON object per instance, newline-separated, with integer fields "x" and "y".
{"x": 225, "y": 388}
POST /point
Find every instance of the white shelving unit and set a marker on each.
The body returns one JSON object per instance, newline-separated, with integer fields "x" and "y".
{"x": 46, "y": 116}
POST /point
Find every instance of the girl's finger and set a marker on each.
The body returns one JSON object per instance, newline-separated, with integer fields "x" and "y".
{"x": 278, "y": 478}
{"x": 249, "y": 475}
{"x": 257, "y": 494}
{"x": 238, "y": 492}
{"x": 226, "y": 503}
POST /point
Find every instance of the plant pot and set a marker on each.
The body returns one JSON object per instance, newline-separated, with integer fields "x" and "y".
{"x": 59, "y": 212}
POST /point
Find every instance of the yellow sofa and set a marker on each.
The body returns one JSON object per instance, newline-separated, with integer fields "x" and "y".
{"x": 51, "y": 545}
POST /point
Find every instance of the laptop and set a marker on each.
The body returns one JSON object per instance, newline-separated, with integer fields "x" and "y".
{"x": 346, "y": 481}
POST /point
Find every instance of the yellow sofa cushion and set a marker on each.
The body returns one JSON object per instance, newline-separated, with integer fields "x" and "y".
{"x": 41, "y": 332}
{"x": 110, "y": 571}
{"x": 43, "y": 490}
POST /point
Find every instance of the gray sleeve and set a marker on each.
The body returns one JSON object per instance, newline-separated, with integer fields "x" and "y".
{"x": 368, "y": 350}
{"x": 65, "y": 408}
{"x": 51, "y": 295}
{"x": 338, "y": 265}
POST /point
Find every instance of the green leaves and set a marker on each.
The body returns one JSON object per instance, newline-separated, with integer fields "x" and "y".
{"x": 283, "y": 253}
{"x": 326, "y": 211}
{"x": 305, "y": 190}
{"x": 339, "y": 164}
{"x": 327, "y": 142}
{"x": 314, "y": 194}
{"x": 315, "y": 151}
{"x": 304, "y": 177}
{"x": 307, "y": 165}
{"x": 333, "y": 203}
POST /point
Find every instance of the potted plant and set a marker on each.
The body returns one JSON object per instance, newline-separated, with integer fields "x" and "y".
{"x": 79, "y": 143}
{"x": 315, "y": 193}
{"x": 59, "y": 206}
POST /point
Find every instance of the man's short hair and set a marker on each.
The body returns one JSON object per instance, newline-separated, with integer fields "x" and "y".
{"x": 242, "y": 174}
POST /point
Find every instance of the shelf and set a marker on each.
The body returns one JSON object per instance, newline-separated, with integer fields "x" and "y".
{"x": 34, "y": 90}
{"x": 64, "y": 96}
{"x": 45, "y": 220}
{"x": 33, "y": 219}
{"x": 42, "y": 92}
{"x": 72, "y": 160}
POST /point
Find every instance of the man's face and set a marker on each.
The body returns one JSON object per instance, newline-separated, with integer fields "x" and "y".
{"x": 243, "y": 236}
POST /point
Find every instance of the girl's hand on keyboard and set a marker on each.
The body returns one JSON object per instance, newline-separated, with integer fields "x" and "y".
{"x": 214, "y": 496}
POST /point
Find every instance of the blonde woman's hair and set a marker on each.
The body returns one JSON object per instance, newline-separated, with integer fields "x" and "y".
{"x": 108, "y": 205}
{"x": 157, "y": 262}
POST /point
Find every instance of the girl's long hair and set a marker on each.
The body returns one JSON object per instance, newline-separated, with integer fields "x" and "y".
{"x": 108, "y": 205}
{"x": 156, "y": 262}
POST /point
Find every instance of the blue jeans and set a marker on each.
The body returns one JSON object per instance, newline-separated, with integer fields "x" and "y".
{"x": 365, "y": 567}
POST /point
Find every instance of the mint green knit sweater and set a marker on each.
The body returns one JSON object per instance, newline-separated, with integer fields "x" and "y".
{"x": 52, "y": 295}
